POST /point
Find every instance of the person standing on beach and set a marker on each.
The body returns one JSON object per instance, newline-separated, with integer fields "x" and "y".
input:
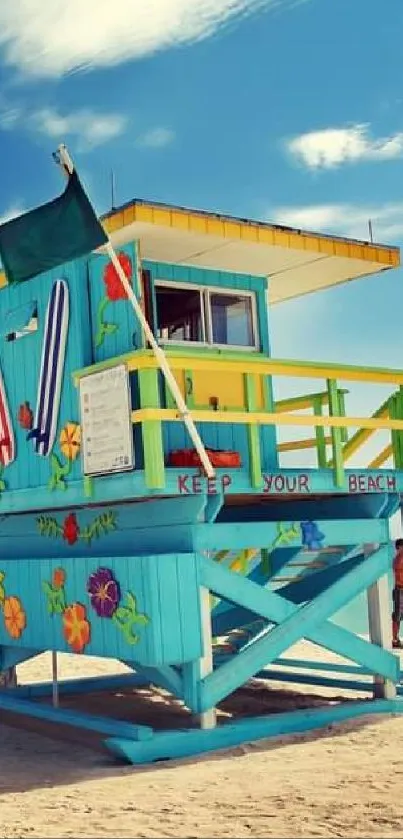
{"x": 397, "y": 613}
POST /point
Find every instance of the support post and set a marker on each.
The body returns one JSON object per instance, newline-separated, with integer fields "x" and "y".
{"x": 208, "y": 719}
{"x": 193, "y": 672}
{"x": 379, "y": 610}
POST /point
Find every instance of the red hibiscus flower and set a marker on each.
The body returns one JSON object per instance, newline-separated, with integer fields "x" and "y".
{"x": 71, "y": 529}
{"x": 114, "y": 288}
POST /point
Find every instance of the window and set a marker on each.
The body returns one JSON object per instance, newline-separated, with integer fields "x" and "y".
{"x": 205, "y": 316}
{"x": 231, "y": 319}
{"x": 179, "y": 314}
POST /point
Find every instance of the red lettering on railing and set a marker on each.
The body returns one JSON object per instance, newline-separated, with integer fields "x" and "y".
{"x": 196, "y": 484}
{"x": 211, "y": 486}
{"x": 371, "y": 483}
{"x": 183, "y": 488}
{"x": 226, "y": 481}
{"x": 286, "y": 484}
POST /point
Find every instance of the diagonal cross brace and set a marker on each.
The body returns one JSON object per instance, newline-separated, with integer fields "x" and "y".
{"x": 253, "y": 600}
{"x": 294, "y": 623}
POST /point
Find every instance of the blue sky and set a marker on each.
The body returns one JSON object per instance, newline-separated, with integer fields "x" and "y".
{"x": 286, "y": 110}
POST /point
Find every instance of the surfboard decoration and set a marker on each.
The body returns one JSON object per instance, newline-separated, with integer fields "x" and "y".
{"x": 51, "y": 371}
{"x": 7, "y": 440}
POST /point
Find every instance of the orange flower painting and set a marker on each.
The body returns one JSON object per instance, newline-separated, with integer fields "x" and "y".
{"x": 76, "y": 627}
{"x": 58, "y": 578}
{"x": 70, "y": 440}
{"x": 15, "y": 619}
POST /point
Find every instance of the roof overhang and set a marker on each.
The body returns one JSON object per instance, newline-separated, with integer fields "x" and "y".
{"x": 296, "y": 262}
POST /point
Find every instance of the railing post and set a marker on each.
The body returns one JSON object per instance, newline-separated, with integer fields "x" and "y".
{"x": 337, "y": 447}
{"x": 342, "y": 413}
{"x": 153, "y": 449}
{"x": 253, "y": 432}
{"x": 320, "y": 434}
{"x": 395, "y": 435}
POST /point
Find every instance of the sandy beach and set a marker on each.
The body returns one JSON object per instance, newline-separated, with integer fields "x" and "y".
{"x": 344, "y": 782}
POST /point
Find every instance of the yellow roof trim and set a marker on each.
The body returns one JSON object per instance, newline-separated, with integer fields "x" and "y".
{"x": 296, "y": 262}
{"x": 193, "y": 221}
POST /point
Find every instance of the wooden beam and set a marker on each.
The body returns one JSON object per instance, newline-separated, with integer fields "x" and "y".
{"x": 248, "y": 363}
{"x": 261, "y": 418}
{"x": 298, "y": 445}
{"x": 380, "y": 459}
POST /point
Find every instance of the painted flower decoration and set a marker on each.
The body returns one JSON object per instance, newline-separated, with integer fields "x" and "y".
{"x": 312, "y": 537}
{"x": 58, "y": 578}
{"x": 71, "y": 530}
{"x": 76, "y": 627}
{"x": 104, "y": 592}
{"x": 15, "y": 619}
{"x": 114, "y": 291}
{"x": 70, "y": 440}
{"x": 25, "y": 416}
{"x": 113, "y": 285}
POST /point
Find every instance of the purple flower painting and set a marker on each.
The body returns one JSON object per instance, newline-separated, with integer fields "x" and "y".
{"x": 104, "y": 592}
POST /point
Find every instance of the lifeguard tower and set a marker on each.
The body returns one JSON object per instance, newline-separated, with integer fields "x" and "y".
{"x": 114, "y": 542}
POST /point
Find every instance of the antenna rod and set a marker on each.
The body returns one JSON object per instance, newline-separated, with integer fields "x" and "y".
{"x": 113, "y": 190}
{"x": 371, "y": 238}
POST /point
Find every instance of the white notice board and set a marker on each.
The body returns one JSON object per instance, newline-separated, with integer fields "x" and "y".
{"x": 106, "y": 426}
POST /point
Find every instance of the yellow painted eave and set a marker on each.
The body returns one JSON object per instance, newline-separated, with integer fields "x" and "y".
{"x": 253, "y": 232}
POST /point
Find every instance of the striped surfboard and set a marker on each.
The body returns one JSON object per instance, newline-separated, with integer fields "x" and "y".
{"x": 51, "y": 371}
{"x": 7, "y": 440}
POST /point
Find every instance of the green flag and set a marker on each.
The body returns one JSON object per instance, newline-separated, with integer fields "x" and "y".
{"x": 50, "y": 235}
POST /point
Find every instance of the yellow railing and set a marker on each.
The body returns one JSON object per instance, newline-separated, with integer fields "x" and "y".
{"x": 236, "y": 388}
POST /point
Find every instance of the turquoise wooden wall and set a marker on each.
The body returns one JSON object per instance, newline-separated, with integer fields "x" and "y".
{"x": 222, "y": 436}
{"x": 90, "y": 306}
{"x": 158, "y": 605}
{"x": 20, "y": 363}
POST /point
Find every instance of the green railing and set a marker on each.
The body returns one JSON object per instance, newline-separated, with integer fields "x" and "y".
{"x": 251, "y": 378}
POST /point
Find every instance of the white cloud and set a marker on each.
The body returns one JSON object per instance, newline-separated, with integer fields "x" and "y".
{"x": 92, "y": 128}
{"x": 346, "y": 219}
{"x": 57, "y": 37}
{"x": 9, "y": 118}
{"x": 331, "y": 147}
{"x": 156, "y": 138}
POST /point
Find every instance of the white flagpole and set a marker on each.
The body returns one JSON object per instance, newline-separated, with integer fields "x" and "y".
{"x": 160, "y": 356}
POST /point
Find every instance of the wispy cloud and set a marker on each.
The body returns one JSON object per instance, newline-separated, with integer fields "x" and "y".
{"x": 345, "y": 219}
{"x": 9, "y": 118}
{"x": 54, "y": 38}
{"x": 90, "y": 128}
{"x": 156, "y": 138}
{"x": 331, "y": 147}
